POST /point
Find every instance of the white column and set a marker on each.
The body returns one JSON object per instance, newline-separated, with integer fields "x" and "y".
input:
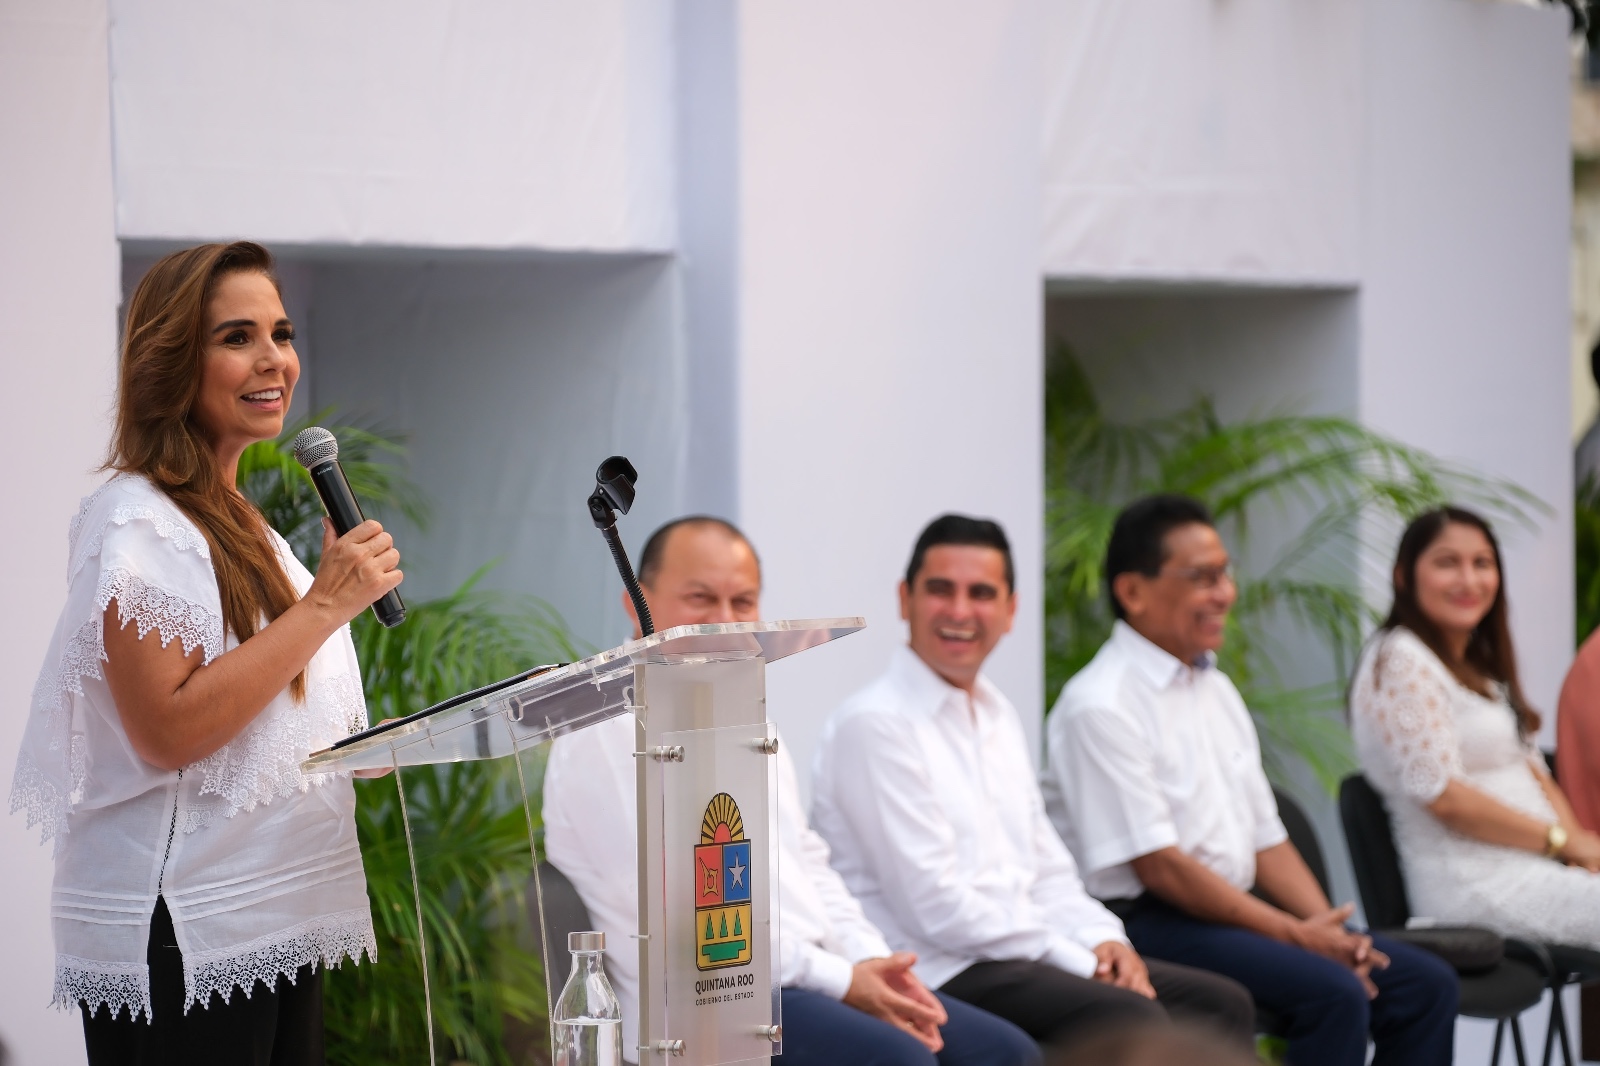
{"x": 890, "y": 315}
{"x": 58, "y": 295}
{"x": 1464, "y": 296}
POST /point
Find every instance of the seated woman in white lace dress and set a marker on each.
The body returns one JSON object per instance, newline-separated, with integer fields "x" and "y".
{"x": 200, "y": 878}
{"x": 1445, "y": 735}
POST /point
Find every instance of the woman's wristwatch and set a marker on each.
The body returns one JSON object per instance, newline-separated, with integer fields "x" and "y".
{"x": 1555, "y": 839}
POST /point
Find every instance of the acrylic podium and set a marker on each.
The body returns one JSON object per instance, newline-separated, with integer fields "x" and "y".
{"x": 708, "y": 869}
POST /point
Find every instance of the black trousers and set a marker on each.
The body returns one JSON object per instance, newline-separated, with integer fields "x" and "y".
{"x": 277, "y": 1026}
{"x": 1057, "y": 1008}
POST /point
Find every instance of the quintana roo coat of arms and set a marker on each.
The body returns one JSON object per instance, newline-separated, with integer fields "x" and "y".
{"x": 722, "y": 888}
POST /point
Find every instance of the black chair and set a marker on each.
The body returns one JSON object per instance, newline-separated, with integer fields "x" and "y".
{"x": 1304, "y": 838}
{"x": 1501, "y": 993}
{"x": 564, "y": 913}
{"x": 1302, "y": 834}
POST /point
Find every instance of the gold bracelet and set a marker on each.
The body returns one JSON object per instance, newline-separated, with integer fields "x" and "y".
{"x": 1555, "y": 838}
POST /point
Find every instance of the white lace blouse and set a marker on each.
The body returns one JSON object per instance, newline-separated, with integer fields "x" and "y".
{"x": 258, "y": 862}
{"x": 1416, "y": 729}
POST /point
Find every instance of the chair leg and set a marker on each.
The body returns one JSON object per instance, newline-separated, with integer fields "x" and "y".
{"x": 1550, "y": 1025}
{"x": 1557, "y": 1027}
{"x": 1499, "y": 1040}
{"x": 1516, "y": 1042}
{"x": 1559, "y": 1015}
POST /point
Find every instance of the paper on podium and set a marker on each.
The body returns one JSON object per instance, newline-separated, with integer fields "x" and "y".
{"x": 561, "y": 699}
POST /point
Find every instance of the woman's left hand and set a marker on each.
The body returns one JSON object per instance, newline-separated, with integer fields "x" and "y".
{"x": 381, "y": 771}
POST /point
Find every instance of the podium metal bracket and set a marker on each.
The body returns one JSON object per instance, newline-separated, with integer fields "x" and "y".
{"x": 664, "y": 1047}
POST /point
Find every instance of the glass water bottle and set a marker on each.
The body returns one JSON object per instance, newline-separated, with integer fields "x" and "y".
{"x": 587, "y": 1021}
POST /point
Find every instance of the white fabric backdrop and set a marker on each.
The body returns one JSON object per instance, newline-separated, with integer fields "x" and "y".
{"x": 1189, "y": 139}
{"x": 394, "y": 122}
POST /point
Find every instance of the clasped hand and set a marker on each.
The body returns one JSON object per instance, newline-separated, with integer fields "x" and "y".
{"x": 887, "y": 990}
{"x": 1120, "y": 965}
{"x": 1582, "y": 849}
{"x": 1326, "y": 935}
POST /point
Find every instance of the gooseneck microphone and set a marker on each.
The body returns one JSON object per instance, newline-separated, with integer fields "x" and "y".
{"x": 318, "y": 451}
{"x": 613, "y": 491}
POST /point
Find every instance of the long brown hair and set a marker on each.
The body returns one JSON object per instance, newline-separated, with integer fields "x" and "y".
{"x": 1489, "y": 652}
{"x": 156, "y": 436}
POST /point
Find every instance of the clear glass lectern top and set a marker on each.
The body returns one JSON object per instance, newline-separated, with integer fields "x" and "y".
{"x": 565, "y": 698}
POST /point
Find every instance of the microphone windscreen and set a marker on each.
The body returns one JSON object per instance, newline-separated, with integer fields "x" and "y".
{"x": 313, "y": 446}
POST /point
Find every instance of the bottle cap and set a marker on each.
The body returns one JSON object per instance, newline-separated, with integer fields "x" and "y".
{"x": 586, "y": 941}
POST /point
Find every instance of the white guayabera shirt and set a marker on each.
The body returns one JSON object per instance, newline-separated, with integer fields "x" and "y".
{"x": 258, "y": 862}
{"x": 1147, "y": 752}
{"x": 928, "y": 798}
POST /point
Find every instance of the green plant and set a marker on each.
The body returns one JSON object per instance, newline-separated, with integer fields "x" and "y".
{"x": 1586, "y": 559}
{"x": 1346, "y": 488}
{"x": 468, "y": 824}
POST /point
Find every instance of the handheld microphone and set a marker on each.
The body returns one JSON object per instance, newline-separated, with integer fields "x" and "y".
{"x": 318, "y": 451}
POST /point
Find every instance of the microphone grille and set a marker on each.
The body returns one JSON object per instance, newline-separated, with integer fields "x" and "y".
{"x": 314, "y": 446}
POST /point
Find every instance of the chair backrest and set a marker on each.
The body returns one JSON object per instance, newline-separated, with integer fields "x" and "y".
{"x": 1302, "y": 835}
{"x": 564, "y": 913}
{"x": 1372, "y": 854}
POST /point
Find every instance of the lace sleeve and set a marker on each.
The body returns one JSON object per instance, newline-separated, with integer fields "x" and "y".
{"x": 1402, "y": 718}
{"x": 129, "y": 545}
{"x": 161, "y": 580}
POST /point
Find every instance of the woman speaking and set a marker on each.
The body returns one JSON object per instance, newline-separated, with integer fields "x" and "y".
{"x": 201, "y": 879}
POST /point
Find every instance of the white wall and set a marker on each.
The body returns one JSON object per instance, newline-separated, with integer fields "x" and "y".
{"x": 1256, "y": 351}
{"x": 492, "y": 125}
{"x": 1464, "y": 297}
{"x": 1190, "y": 139}
{"x": 512, "y": 381}
{"x": 58, "y": 296}
{"x": 890, "y": 335}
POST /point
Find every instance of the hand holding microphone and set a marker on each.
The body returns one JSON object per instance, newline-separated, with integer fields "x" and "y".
{"x": 359, "y": 559}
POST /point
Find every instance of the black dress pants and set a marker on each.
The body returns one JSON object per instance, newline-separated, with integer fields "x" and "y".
{"x": 1057, "y": 1008}
{"x": 276, "y": 1026}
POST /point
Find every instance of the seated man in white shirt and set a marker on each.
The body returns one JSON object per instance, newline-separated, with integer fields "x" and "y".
{"x": 926, "y": 790}
{"x": 1155, "y": 781}
{"x": 846, "y": 997}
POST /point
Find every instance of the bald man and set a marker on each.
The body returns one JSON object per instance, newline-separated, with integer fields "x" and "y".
{"x": 846, "y": 997}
